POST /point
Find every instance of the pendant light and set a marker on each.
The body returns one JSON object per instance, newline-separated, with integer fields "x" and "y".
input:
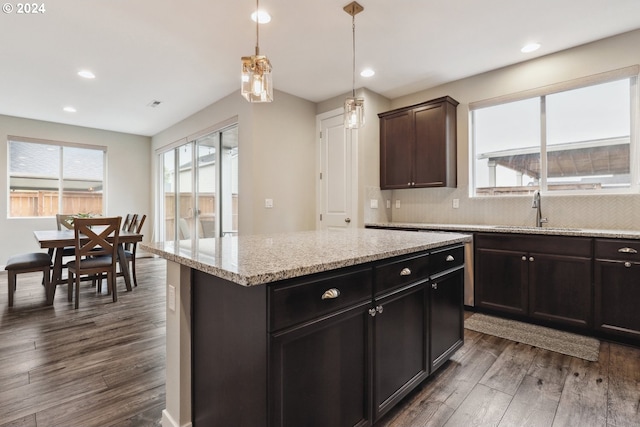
{"x": 256, "y": 73}
{"x": 353, "y": 107}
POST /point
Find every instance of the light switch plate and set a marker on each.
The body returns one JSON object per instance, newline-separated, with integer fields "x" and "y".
{"x": 456, "y": 203}
{"x": 374, "y": 203}
{"x": 388, "y": 204}
{"x": 397, "y": 204}
{"x": 268, "y": 203}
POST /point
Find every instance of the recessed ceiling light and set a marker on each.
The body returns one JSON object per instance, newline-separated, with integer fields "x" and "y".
{"x": 263, "y": 17}
{"x": 86, "y": 74}
{"x": 69, "y": 109}
{"x": 367, "y": 72}
{"x": 530, "y": 47}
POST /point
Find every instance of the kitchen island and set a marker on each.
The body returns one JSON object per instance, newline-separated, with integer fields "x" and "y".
{"x": 318, "y": 327}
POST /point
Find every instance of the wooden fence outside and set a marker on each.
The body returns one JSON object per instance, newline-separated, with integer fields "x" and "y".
{"x": 45, "y": 203}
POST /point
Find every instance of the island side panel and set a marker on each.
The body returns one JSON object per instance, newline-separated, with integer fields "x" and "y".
{"x": 229, "y": 347}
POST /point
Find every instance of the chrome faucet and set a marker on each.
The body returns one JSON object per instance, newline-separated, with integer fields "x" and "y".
{"x": 537, "y": 205}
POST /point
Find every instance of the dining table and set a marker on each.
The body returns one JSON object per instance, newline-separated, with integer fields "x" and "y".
{"x": 59, "y": 239}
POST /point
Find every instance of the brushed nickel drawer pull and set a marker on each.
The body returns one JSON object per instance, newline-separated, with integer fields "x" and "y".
{"x": 331, "y": 294}
{"x": 372, "y": 312}
{"x": 627, "y": 264}
{"x": 405, "y": 272}
{"x": 450, "y": 258}
{"x": 434, "y": 286}
{"x": 627, "y": 251}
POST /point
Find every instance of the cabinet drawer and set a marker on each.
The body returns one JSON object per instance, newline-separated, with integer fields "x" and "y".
{"x": 300, "y": 300}
{"x": 446, "y": 259}
{"x": 625, "y": 250}
{"x": 401, "y": 272}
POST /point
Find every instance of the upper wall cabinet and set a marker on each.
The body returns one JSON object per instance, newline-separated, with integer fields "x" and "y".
{"x": 418, "y": 145}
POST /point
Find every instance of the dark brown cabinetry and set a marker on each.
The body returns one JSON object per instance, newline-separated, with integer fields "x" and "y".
{"x": 540, "y": 277}
{"x": 446, "y": 311}
{"x": 338, "y": 348}
{"x": 401, "y": 330}
{"x": 418, "y": 145}
{"x": 617, "y": 287}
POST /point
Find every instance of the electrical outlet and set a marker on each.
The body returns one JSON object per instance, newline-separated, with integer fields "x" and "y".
{"x": 374, "y": 203}
{"x": 397, "y": 204}
{"x": 456, "y": 203}
{"x": 268, "y": 203}
{"x": 388, "y": 204}
{"x": 171, "y": 298}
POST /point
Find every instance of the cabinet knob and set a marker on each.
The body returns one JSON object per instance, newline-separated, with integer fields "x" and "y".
{"x": 372, "y": 312}
{"x": 434, "y": 286}
{"x": 627, "y": 264}
{"x": 450, "y": 258}
{"x": 531, "y": 259}
{"x": 347, "y": 220}
{"x": 331, "y": 294}
{"x": 405, "y": 272}
{"x": 524, "y": 258}
{"x": 379, "y": 309}
{"x": 627, "y": 251}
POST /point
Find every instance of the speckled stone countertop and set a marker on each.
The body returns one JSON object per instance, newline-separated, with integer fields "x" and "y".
{"x": 515, "y": 229}
{"x": 260, "y": 259}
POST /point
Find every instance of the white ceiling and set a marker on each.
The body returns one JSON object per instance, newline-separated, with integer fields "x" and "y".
{"x": 186, "y": 53}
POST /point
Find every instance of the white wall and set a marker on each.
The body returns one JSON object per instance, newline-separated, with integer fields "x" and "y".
{"x": 127, "y": 185}
{"x": 590, "y": 211}
{"x": 276, "y": 144}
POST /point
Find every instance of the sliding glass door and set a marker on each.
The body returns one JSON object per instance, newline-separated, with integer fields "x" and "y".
{"x": 200, "y": 187}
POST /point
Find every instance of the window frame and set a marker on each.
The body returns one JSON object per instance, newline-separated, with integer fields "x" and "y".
{"x": 632, "y": 73}
{"x": 60, "y": 178}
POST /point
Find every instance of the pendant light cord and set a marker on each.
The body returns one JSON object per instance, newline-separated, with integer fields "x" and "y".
{"x": 353, "y": 38}
{"x": 257, "y": 28}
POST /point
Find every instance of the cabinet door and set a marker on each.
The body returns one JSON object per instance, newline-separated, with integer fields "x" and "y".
{"x": 400, "y": 350}
{"x": 319, "y": 372}
{"x": 446, "y": 314}
{"x": 617, "y": 292}
{"x": 560, "y": 288}
{"x": 430, "y": 161}
{"x": 501, "y": 280}
{"x": 396, "y": 150}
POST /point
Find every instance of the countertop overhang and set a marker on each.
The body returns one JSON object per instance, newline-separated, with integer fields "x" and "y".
{"x": 265, "y": 258}
{"x": 514, "y": 229}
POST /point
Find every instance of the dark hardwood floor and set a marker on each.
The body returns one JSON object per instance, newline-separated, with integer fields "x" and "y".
{"x": 103, "y": 365}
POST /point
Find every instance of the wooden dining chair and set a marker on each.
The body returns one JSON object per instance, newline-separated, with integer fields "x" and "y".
{"x": 96, "y": 246}
{"x": 130, "y": 249}
{"x": 129, "y": 222}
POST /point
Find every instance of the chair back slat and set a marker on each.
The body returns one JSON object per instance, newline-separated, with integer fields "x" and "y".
{"x": 64, "y": 220}
{"x": 102, "y": 234}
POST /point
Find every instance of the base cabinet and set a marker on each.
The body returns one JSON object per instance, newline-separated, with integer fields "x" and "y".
{"x": 617, "y": 287}
{"x": 538, "y": 277}
{"x": 400, "y": 345}
{"x": 446, "y": 314}
{"x": 337, "y": 349}
{"x": 319, "y": 372}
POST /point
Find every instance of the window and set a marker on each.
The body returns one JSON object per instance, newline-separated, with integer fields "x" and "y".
{"x": 46, "y": 178}
{"x": 570, "y": 137}
{"x": 200, "y": 186}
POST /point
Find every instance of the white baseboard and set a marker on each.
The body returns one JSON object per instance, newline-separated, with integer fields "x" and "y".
{"x": 168, "y": 421}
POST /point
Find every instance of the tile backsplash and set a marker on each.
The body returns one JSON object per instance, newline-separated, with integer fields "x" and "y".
{"x": 435, "y": 205}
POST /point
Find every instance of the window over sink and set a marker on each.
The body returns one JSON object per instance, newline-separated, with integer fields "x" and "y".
{"x": 573, "y": 137}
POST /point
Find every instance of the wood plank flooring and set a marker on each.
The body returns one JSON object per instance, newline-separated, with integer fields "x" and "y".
{"x": 103, "y": 365}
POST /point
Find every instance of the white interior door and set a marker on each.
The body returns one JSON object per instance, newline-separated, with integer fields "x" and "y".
{"x": 337, "y": 173}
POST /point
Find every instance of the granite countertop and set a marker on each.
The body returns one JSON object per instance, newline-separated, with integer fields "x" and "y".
{"x": 514, "y": 229}
{"x": 260, "y": 259}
